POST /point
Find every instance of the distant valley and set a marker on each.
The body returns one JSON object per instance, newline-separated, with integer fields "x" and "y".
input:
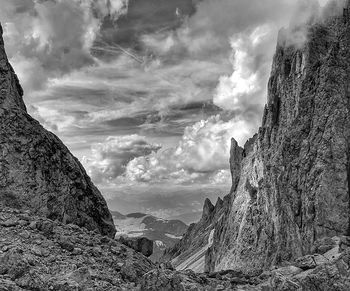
{"x": 164, "y": 233}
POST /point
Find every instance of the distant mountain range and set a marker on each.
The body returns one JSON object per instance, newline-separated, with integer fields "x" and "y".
{"x": 188, "y": 218}
{"x": 164, "y": 233}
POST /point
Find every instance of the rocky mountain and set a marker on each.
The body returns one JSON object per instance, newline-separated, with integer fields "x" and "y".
{"x": 37, "y": 171}
{"x": 164, "y": 233}
{"x": 291, "y": 181}
{"x": 189, "y": 252}
{"x": 284, "y": 226}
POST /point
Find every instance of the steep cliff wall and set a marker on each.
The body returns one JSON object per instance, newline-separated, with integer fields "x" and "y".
{"x": 190, "y": 251}
{"x": 294, "y": 183}
{"x": 37, "y": 171}
{"x": 291, "y": 182}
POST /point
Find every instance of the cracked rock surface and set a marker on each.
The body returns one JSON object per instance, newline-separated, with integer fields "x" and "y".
{"x": 327, "y": 268}
{"x": 37, "y": 171}
{"x": 40, "y": 254}
{"x": 291, "y": 182}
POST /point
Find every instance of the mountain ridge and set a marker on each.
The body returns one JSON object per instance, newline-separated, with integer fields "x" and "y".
{"x": 37, "y": 170}
{"x": 290, "y": 182}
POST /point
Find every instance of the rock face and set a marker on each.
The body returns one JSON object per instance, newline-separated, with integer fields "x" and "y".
{"x": 142, "y": 245}
{"x": 37, "y": 253}
{"x": 323, "y": 270}
{"x": 37, "y": 171}
{"x": 189, "y": 252}
{"x": 291, "y": 184}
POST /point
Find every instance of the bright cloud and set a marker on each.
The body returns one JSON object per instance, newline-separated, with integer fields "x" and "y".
{"x": 249, "y": 73}
{"x": 52, "y": 37}
{"x": 109, "y": 159}
{"x": 201, "y": 155}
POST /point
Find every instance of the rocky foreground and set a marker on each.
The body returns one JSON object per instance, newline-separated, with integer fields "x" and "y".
{"x": 328, "y": 268}
{"x": 40, "y": 254}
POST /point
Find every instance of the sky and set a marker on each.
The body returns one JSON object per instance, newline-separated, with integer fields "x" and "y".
{"x": 148, "y": 93}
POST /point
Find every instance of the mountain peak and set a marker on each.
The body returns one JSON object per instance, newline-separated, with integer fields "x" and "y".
{"x": 11, "y": 91}
{"x": 38, "y": 172}
{"x": 207, "y": 208}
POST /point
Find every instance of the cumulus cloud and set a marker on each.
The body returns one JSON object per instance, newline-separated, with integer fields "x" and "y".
{"x": 109, "y": 159}
{"x": 242, "y": 33}
{"x": 201, "y": 155}
{"x": 249, "y": 31}
{"x": 250, "y": 65}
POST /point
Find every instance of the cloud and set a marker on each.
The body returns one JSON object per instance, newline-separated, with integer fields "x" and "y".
{"x": 249, "y": 31}
{"x": 188, "y": 82}
{"x": 247, "y": 84}
{"x": 109, "y": 159}
{"x": 201, "y": 155}
{"x": 52, "y": 37}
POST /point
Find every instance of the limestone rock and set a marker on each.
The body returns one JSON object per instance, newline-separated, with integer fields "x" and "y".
{"x": 190, "y": 252}
{"x": 167, "y": 280}
{"x": 142, "y": 245}
{"x": 294, "y": 184}
{"x": 236, "y": 156}
{"x": 291, "y": 187}
{"x": 328, "y": 272}
{"x": 68, "y": 258}
{"x": 207, "y": 209}
{"x": 37, "y": 171}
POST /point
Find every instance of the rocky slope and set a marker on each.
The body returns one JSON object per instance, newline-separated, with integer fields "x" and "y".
{"x": 291, "y": 181}
{"x": 164, "y": 233}
{"x": 37, "y": 171}
{"x": 327, "y": 269}
{"x": 40, "y": 254}
{"x": 189, "y": 253}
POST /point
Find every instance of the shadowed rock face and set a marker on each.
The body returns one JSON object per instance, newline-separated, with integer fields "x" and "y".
{"x": 37, "y": 172}
{"x": 291, "y": 184}
{"x": 142, "y": 245}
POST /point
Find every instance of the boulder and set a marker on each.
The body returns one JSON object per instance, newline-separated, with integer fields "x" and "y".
{"x": 142, "y": 245}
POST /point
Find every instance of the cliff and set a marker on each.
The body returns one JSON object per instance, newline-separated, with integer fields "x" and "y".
{"x": 291, "y": 183}
{"x": 189, "y": 252}
{"x": 37, "y": 172}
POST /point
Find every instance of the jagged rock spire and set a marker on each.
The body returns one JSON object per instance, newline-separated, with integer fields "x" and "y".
{"x": 207, "y": 208}
{"x": 11, "y": 91}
